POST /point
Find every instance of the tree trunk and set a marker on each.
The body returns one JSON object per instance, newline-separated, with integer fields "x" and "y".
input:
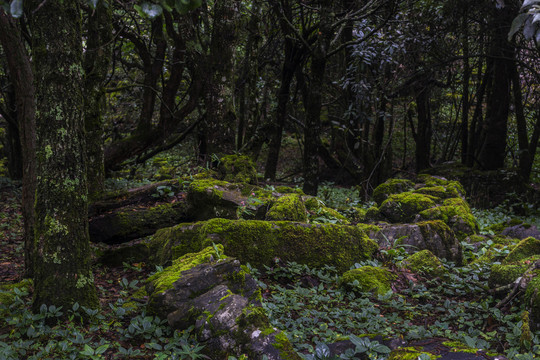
{"x": 218, "y": 130}
{"x": 96, "y": 65}
{"x": 423, "y": 141}
{"x": 465, "y": 97}
{"x": 21, "y": 75}
{"x": 63, "y": 274}
{"x": 313, "y": 103}
{"x": 493, "y": 151}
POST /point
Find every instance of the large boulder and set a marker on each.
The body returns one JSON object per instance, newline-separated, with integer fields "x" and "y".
{"x": 260, "y": 242}
{"x": 405, "y": 206}
{"x": 221, "y": 300}
{"x": 237, "y": 168}
{"x": 389, "y": 187}
{"x": 434, "y": 236}
{"x": 521, "y": 231}
{"x": 377, "y": 280}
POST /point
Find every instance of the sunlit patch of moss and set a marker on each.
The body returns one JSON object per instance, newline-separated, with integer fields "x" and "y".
{"x": 424, "y": 262}
{"x": 288, "y": 207}
{"x": 524, "y": 249}
{"x": 389, "y": 187}
{"x": 405, "y": 206}
{"x": 368, "y": 279}
{"x": 409, "y": 353}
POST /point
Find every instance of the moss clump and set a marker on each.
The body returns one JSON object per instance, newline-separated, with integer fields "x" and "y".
{"x": 288, "y": 207}
{"x": 409, "y": 353}
{"x": 237, "y": 168}
{"x": 503, "y": 274}
{"x": 260, "y": 242}
{"x": 286, "y": 351}
{"x": 7, "y": 293}
{"x": 317, "y": 209}
{"x": 524, "y": 249}
{"x": 405, "y": 206}
{"x": 532, "y": 298}
{"x": 525, "y": 340}
{"x": 368, "y": 279}
{"x": 455, "y": 212}
{"x": 389, "y": 187}
{"x": 438, "y": 181}
{"x": 439, "y": 192}
{"x": 424, "y": 262}
{"x": 164, "y": 280}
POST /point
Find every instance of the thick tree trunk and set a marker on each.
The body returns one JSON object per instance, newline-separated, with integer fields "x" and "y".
{"x": 20, "y": 72}
{"x": 313, "y": 104}
{"x": 218, "y": 130}
{"x": 465, "y": 97}
{"x": 493, "y": 151}
{"x": 63, "y": 274}
{"x": 96, "y": 65}
{"x": 423, "y": 141}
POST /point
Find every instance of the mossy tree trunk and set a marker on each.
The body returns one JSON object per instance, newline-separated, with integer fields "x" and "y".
{"x": 96, "y": 65}
{"x": 20, "y": 72}
{"x": 62, "y": 273}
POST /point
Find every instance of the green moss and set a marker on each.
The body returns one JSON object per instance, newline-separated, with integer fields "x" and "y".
{"x": 391, "y": 186}
{"x": 7, "y": 293}
{"x": 503, "y": 274}
{"x": 439, "y": 191}
{"x": 456, "y": 346}
{"x": 164, "y": 280}
{"x": 211, "y": 187}
{"x": 286, "y": 351}
{"x": 437, "y": 181}
{"x": 368, "y": 279}
{"x": 405, "y": 206}
{"x": 532, "y": 298}
{"x": 409, "y": 353}
{"x": 288, "y": 207}
{"x": 317, "y": 209}
{"x": 424, "y": 262}
{"x": 524, "y": 249}
{"x": 525, "y": 340}
{"x": 237, "y": 168}
{"x": 260, "y": 242}
{"x": 455, "y": 212}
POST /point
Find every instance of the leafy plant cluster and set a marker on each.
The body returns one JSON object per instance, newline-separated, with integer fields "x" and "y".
{"x": 89, "y": 333}
{"x": 315, "y": 311}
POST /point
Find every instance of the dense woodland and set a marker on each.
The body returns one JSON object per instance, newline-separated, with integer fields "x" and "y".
{"x": 101, "y": 99}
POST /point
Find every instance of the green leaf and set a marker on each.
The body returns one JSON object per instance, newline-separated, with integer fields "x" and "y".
{"x": 101, "y": 349}
{"x": 88, "y": 351}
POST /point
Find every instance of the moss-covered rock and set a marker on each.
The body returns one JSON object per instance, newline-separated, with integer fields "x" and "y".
{"x": 409, "y": 353}
{"x": 424, "y": 262}
{"x": 260, "y": 242}
{"x": 289, "y": 207}
{"x": 532, "y": 299}
{"x": 507, "y": 273}
{"x": 237, "y": 168}
{"x": 221, "y": 301}
{"x": 524, "y": 249}
{"x": 404, "y": 207}
{"x": 319, "y": 213}
{"x": 434, "y": 236}
{"x": 456, "y": 213}
{"x": 452, "y": 186}
{"x": 368, "y": 279}
{"x": 390, "y": 187}
{"x": 440, "y": 192}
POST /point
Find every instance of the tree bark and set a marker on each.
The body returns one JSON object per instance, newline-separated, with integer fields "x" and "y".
{"x": 63, "y": 273}
{"x": 313, "y": 104}
{"x": 493, "y": 151}
{"x": 96, "y": 65}
{"x": 21, "y": 75}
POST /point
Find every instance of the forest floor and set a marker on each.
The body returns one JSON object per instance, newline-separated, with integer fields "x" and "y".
{"x": 440, "y": 314}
